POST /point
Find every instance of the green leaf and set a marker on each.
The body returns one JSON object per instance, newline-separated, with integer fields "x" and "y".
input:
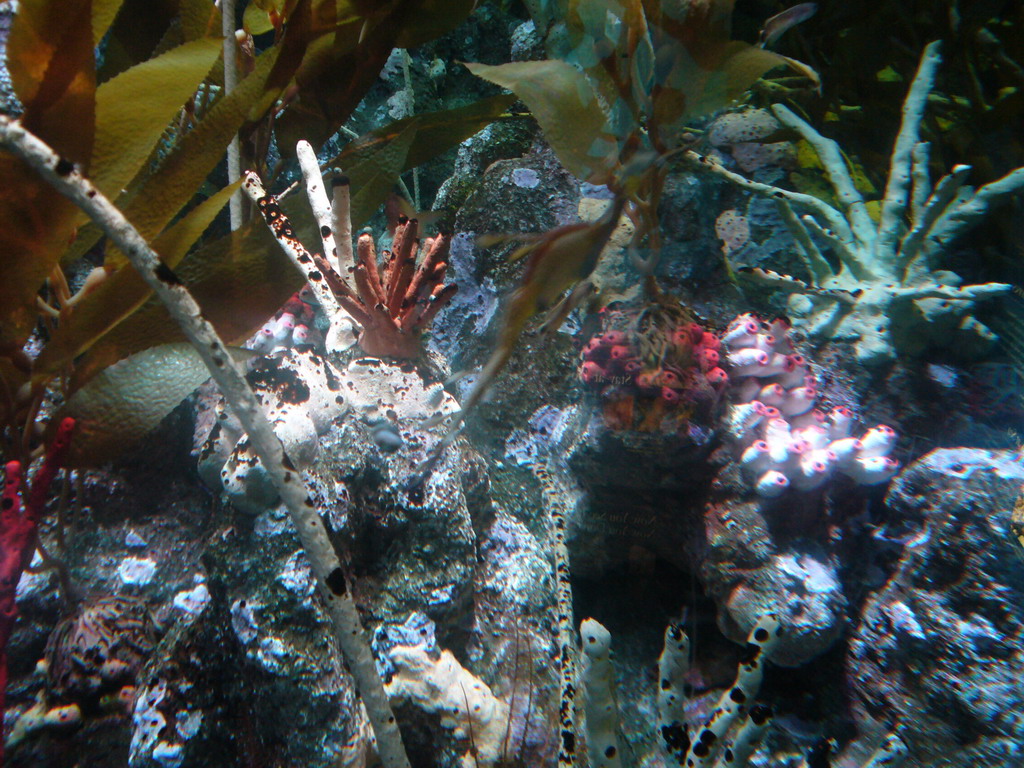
{"x": 239, "y": 280}
{"x": 128, "y": 400}
{"x": 701, "y": 69}
{"x": 374, "y": 161}
{"x": 103, "y": 14}
{"x": 134, "y": 108}
{"x": 124, "y": 291}
{"x": 563, "y": 101}
{"x": 437, "y": 132}
{"x": 159, "y": 198}
{"x": 199, "y": 18}
{"x": 373, "y": 166}
{"x": 256, "y": 19}
{"x": 154, "y": 201}
{"x": 430, "y": 19}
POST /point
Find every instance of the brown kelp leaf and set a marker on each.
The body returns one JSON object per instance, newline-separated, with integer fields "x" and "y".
{"x": 374, "y": 161}
{"x": 374, "y": 165}
{"x": 11, "y": 379}
{"x": 260, "y": 16}
{"x": 50, "y": 59}
{"x": 35, "y": 224}
{"x": 134, "y": 108}
{"x": 699, "y": 68}
{"x": 128, "y": 400}
{"x": 124, "y": 291}
{"x": 140, "y": 29}
{"x": 239, "y": 280}
{"x": 337, "y": 70}
{"x": 348, "y": 44}
{"x": 557, "y": 260}
{"x": 103, "y": 14}
{"x": 437, "y": 132}
{"x": 199, "y": 18}
{"x": 563, "y": 101}
{"x": 152, "y": 202}
{"x": 429, "y": 19}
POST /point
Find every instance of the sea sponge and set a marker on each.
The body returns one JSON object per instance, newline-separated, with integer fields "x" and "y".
{"x": 653, "y": 368}
{"x": 782, "y": 439}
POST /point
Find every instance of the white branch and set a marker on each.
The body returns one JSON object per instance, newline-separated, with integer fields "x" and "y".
{"x": 922, "y": 185}
{"x": 280, "y": 228}
{"x": 894, "y": 204}
{"x": 839, "y": 232}
{"x": 341, "y": 221}
{"x": 964, "y": 215}
{"x": 318, "y": 201}
{"x": 945, "y": 192}
{"x": 835, "y": 166}
{"x": 816, "y": 264}
{"x": 962, "y": 293}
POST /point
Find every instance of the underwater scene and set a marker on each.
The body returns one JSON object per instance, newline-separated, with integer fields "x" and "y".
{"x": 512, "y": 383}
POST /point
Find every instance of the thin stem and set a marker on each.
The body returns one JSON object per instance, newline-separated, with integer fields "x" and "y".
{"x": 227, "y": 13}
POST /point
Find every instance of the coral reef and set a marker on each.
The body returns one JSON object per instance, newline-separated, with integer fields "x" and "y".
{"x": 597, "y": 686}
{"x": 888, "y": 296}
{"x": 782, "y": 440}
{"x": 291, "y": 327}
{"x": 749, "y": 571}
{"x": 432, "y": 680}
{"x": 393, "y": 308}
{"x": 301, "y": 393}
{"x": 99, "y": 649}
{"x": 653, "y": 369}
{"x": 667, "y": 474}
{"x": 722, "y": 741}
{"x": 693, "y": 747}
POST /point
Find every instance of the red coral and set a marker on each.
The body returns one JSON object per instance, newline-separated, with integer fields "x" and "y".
{"x": 656, "y": 369}
{"x": 393, "y": 309}
{"x": 18, "y": 530}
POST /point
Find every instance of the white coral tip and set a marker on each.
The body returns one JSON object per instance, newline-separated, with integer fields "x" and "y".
{"x": 871, "y": 470}
{"x": 798, "y": 401}
{"x": 748, "y": 358}
{"x": 756, "y": 457}
{"x": 771, "y": 483}
{"x": 877, "y": 441}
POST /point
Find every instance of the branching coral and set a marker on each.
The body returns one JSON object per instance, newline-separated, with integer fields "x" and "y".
{"x": 392, "y": 308}
{"x": 886, "y": 294}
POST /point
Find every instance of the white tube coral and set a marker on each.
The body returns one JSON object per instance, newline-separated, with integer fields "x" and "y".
{"x": 793, "y": 444}
{"x": 597, "y": 684}
{"x": 737, "y": 699}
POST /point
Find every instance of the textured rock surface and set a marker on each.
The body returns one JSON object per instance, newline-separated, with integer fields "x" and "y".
{"x": 939, "y": 646}
{"x": 301, "y": 393}
{"x": 749, "y": 574}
